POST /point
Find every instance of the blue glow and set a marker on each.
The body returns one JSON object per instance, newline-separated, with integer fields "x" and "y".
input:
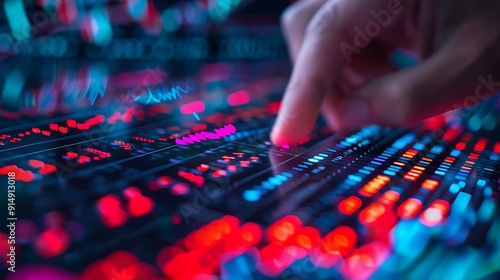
{"x": 460, "y": 177}
{"x": 376, "y": 162}
{"x": 461, "y": 202}
{"x": 289, "y": 175}
{"x": 268, "y": 185}
{"x": 494, "y": 157}
{"x": 303, "y": 166}
{"x": 455, "y": 153}
{"x": 439, "y": 173}
{"x": 437, "y": 149}
{"x": 486, "y": 210}
{"x": 17, "y": 19}
{"x": 354, "y": 178}
{"x": 323, "y": 155}
{"x": 487, "y": 192}
{"x": 101, "y": 26}
{"x": 318, "y": 157}
{"x": 251, "y": 195}
{"x": 454, "y": 188}
{"x": 390, "y": 173}
{"x": 418, "y": 146}
{"x": 475, "y": 123}
{"x": 345, "y": 143}
{"x": 297, "y": 169}
{"x": 275, "y": 181}
{"x": 313, "y": 160}
{"x": 369, "y": 168}
{"x": 281, "y": 178}
{"x": 198, "y": 119}
{"x": 481, "y": 183}
{"x": 364, "y": 171}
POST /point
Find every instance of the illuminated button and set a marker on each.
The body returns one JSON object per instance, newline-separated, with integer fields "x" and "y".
{"x": 430, "y": 185}
{"x": 349, "y": 205}
{"x": 371, "y": 213}
{"x": 409, "y": 208}
{"x": 354, "y": 178}
{"x": 251, "y": 195}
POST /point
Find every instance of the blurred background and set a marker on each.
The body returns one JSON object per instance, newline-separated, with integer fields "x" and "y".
{"x": 141, "y": 29}
{"x": 56, "y": 55}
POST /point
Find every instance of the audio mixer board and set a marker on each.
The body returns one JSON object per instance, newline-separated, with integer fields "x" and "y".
{"x": 180, "y": 181}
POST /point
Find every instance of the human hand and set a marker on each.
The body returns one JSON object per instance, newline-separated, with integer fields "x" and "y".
{"x": 341, "y": 52}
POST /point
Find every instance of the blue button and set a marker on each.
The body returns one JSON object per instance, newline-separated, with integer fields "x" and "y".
{"x": 251, "y": 195}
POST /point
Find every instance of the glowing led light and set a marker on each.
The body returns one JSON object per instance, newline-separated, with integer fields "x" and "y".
{"x": 238, "y": 98}
{"x": 52, "y": 242}
{"x": 409, "y": 208}
{"x": 193, "y": 107}
{"x": 371, "y": 213}
{"x": 390, "y": 196}
{"x": 460, "y": 146}
{"x": 430, "y": 184}
{"x": 349, "y": 205}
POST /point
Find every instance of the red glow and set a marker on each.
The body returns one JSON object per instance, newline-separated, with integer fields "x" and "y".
{"x": 35, "y": 163}
{"x": 26, "y": 176}
{"x": 430, "y": 185}
{"x": 334, "y": 246}
{"x": 238, "y": 98}
{"x": 164, "y": 180}
{"x": 196, "y": 179}
{"x": 283, "y": 229}
{"x": 202, "y": 167}
{"x": 63, "y": 129}
{"x": 179, "y": 189}
{"x": 434, "y": 215}
{"x": 409, "y": 208}
{"x": 473, "y": 156}
{"x": 371, "y": 213}
{"x": 193, "y": 107}
{"x": 364, "y": 261}
{"x": 307, "y": 238}
{"x": 451, "y": 133}
{"x": 54, "y": 126}
{"x": 390, "y": 197}
{"x": 71, "y": 123}
{"x": 496, "y": 148}
{"x": 349, "y": 205}
{"x": 112, "y": 214}
{"x": 71, "y": 155}
{"x": 47, "y": 169}
{"x": 480, "y": 145}
{"x": 460, "y": 146}
{"x": 273, "y": 108}
{"x": 52, "y": 242}
{"x": 374, "y": 185}
{"x": 138, "y": 205}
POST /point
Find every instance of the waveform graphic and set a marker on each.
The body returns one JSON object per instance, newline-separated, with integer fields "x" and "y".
{"x": 204, "y": 135}
{"x": 164, "y": 94}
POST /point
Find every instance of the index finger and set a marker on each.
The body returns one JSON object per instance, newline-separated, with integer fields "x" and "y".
{"x": 319, "y": 63}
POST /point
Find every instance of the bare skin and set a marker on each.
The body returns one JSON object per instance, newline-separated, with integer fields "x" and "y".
{"x": 351, "y": 81}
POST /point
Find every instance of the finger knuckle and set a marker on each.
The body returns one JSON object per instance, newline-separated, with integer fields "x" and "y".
{"x": 324, "y": 21}
{"x": 291, "y": 17}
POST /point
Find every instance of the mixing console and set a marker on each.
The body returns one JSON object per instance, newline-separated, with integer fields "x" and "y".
{"x": 192, "y": 188}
